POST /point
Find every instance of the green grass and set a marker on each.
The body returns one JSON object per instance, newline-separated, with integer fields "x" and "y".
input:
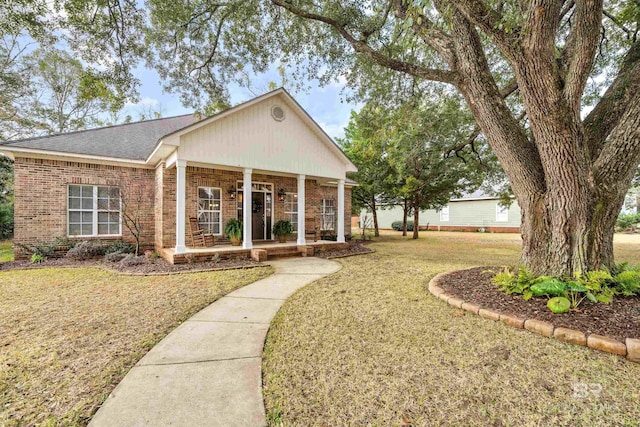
{"x": 370, "y": 346}
{"x": 68, "y": 336}
{"x": 6, "y": 251}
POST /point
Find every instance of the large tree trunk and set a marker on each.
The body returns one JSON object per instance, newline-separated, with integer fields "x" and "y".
{"x": 588, "y": 240}
{"x": 374, "y": 213}
{"x": 405, "y": 214}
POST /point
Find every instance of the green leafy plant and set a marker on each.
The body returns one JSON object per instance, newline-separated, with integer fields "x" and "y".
{"x": 515, "y": 283}
{"x": 549, "y": 286}
{"x": 559, "y": 305}
{"x": 627, "y": 283}
{"x": 36, "y": 259}
{"x": 282, "y": 228}
{"x": 594, "y": 286}
{"x": 233, "y": 230}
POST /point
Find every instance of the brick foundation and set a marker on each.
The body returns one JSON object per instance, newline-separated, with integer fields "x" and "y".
{"x": 470, "y": 228}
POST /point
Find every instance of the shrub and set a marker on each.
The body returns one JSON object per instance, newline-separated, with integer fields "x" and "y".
{"x": 115, "y": 256}
{"x": 233, "y": 229}
{"x": 397, "y": 225}
{"x": 595, "y": 286}
{"x": 43, "y": 249}
{"x": 282, "y": 228}
{"x": 36, "y": 259}
{"x": 625, "y": 222}
{"x": 120, "y": 246}
{"x": 131, "y": 260}
{"x": 6, "y": 220}
{"x": 86, "y": 250}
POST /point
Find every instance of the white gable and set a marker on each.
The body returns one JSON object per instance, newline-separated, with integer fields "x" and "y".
{"x": 250, "y": 137}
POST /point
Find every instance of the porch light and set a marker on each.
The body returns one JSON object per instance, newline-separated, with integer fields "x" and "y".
{"x": 281, "y": 194}
{"x": 232, "y": 192}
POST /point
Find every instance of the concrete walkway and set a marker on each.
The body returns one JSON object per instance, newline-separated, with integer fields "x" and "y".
{"x": 207, "y": 372}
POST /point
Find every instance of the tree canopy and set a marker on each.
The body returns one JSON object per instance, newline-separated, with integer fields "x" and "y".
{"x": 526, "y": 69}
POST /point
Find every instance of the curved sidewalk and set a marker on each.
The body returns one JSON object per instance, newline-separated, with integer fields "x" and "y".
{"x": 207, "y": 372}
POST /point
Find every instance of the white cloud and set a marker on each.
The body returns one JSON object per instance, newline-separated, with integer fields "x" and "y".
{"x": 335, "y": 130}
{"x": 144, "y": 102}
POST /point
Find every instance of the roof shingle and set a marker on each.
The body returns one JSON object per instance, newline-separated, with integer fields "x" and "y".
{"x": 134, "y": 141}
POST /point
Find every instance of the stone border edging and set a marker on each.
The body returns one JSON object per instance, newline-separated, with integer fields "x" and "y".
{"x": 630, "y": 348}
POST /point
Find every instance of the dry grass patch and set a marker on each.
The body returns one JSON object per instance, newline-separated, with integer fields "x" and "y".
{"x": 369, "y": 346}
{"x": 68, "y": 336}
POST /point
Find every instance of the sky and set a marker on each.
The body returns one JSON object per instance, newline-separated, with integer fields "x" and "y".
{"x": 327, "y": 105}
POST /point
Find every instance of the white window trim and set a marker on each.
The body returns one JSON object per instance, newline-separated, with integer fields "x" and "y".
{"x": 502, "y": 213}
{"x": 444, "y": 213}
{"x": 219, "y": 211}
{"x": 324, "y": 213}
{"x": 94, "y": 212}
{"x": 289, "y": 214}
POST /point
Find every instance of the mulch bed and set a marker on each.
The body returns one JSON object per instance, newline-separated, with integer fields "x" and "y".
{"x": 355, "y": 248}
{"x": 157, "y": 266}
{"x": 619, "y": 319}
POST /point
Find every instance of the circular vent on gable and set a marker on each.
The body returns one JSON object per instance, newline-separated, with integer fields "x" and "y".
{"x": 277, "y": 113}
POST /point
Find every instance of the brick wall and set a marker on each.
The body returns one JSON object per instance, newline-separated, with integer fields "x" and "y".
{"x": 41, "y": 197}
{"x": 204, "y": 177}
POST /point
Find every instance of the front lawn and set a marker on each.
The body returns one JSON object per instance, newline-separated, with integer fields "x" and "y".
{"x": 6, "y": 251}
{"x": 370, "y": 346}
{"x": 68, "y": 336}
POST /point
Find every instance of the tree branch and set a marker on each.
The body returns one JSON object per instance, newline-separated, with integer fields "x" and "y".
{"x": 490, "y": 22}
{"x": 519, "y": 157}
{"x": 425, "y": 29}
{"x": 444, "y": 76}
{"x": 623, "y": 144}
{"x": 613, "y": 104}
{"x": 579, "y": 53}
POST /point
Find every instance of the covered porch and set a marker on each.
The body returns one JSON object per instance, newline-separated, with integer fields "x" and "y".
{"x": 260, "y": 162}
{"x": 260, "y": 251}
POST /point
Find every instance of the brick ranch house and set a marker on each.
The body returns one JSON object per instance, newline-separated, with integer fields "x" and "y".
{"x": 79, "y": 184}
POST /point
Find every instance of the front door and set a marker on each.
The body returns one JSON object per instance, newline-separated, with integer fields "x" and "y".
{"x": 258, "y": 216}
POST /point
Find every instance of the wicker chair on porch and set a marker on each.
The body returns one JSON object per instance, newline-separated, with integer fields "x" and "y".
{"x": 198, "y": 238}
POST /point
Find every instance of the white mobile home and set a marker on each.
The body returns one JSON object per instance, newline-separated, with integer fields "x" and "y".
{"x": 472, "y": 212}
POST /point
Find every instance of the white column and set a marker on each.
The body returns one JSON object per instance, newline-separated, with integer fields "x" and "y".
{"x": 181, "y": 209}
{"x": 301, "y": 208}
{"x": 341, "y": 211}
{"x": 246, "y": 210}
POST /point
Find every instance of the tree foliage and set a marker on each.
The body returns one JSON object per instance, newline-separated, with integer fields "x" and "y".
{"x": 526, "y": 70}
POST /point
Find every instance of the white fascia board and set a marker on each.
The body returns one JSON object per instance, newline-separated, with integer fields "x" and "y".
{"x": 171, "y": 159}
{"x": 81, "y": 158}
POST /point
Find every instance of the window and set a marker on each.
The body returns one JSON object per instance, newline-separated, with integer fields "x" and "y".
{"x": 444, "y": 213}
{"x": 291, "y": 209}
{"x": 93, "y": 211}
{"x": 210, "y": 210}
{"x": 328, "y": 215}
{"x": 502, "y": 213}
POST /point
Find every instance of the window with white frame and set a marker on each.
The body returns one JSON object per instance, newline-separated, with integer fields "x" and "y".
{"x": 444, "y": 213}
{"x": 291, "y": 209}
{"x": 502, "y": 213}
{"x": 210, "y": 210}
{"x": 328, "y": 215}
{"x": 93, "y": 210}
